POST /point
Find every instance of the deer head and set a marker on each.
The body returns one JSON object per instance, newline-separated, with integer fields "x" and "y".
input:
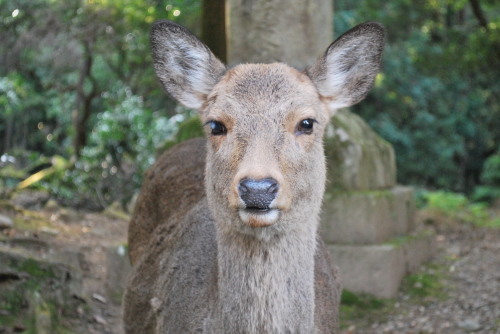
{"x": 265, "y": 122}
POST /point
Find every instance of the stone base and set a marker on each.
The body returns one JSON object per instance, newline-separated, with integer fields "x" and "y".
{"x": 379, "y": 269}
{"x": 367, "y": 217}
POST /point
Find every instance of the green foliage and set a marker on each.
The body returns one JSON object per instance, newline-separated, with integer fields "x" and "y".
{"x": 491, "y": 171}
{"x": 426, "y": 285}
{"x": 457, "y": 206}
{"x": 486, "y": 194}
{"x": 361, "y": 301}
{"x": 121, "y": 147}
{"x": 85, "y": 68}
{"x": 355, "y": 307}
{"x": 33, "y": 268}
{"x": 191, "y": 127}
{"x": 446, "y": 202}
{"x": 434, "y": 99}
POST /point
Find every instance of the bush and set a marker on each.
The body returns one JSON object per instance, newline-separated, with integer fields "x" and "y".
{"x": 486, "y": 194}
{"x": 122, "y": 145}
{"x": 490, "y": 191}
{"x": 446, "y": 202}
{"x": 457, "y": 206}
{"x": 491, "y": 171}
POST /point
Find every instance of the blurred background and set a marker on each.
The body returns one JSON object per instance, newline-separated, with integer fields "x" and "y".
{"x": 78, "y": 91}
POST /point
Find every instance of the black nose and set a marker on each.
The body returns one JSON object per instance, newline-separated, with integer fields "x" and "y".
{"x": 258, "y": 194}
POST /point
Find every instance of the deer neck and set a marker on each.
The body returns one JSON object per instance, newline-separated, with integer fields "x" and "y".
{"x": 266, "y": 285}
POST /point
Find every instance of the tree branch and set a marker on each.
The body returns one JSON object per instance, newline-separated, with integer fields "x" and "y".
{"x": 479, "y": 14}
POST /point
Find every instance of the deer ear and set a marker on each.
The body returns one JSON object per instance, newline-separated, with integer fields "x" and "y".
{"x": 344, "y": 74}
{"x": 185, "y": 66}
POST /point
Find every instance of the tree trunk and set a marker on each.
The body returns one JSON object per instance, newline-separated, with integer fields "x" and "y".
{"x": 213, "y": 27}
{"x": 8, "y": 133}
{"x": 478, "y": 13}
{"x": 83, "y": 103}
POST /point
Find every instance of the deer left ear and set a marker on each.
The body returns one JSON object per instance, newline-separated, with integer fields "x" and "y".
{"x": 185, "y": 66}
{"x": 344, "y": 74}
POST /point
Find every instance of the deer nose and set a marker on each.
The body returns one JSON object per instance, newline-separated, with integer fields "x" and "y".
{"x": 258, "y": 194}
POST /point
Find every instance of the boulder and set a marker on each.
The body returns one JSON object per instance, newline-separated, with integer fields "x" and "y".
{"x": 5, "y": 222}
{"x": 357, "y": 158}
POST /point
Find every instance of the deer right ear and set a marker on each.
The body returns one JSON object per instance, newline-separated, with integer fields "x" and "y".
{"x": 344, "y": 74}
{"x": 185, "y": 66}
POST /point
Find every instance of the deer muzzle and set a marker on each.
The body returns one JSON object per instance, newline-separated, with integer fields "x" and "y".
{"x": 257, "y": 197}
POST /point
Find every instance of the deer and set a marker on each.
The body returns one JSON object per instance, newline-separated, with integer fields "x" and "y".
{"x": 224, "y": 237}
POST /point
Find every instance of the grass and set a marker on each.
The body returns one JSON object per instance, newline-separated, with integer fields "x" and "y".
{"x": 458, "y": 207}
{"x": 426, "y": 286}
{"x": 361, "y": 309}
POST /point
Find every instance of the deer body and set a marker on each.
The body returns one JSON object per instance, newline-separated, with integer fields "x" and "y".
{"x": 239, "y": 252}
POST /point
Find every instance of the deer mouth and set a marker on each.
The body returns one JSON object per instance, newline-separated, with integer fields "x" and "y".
{"x": 257, "y": 210}
{"x": 259, "y": 217}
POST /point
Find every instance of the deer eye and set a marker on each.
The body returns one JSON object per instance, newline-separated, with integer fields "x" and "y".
{"x": 305, "y": 126}
{"x": 218, "y": 129}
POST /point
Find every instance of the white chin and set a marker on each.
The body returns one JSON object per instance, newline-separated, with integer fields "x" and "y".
{"x": 259, "y": 219}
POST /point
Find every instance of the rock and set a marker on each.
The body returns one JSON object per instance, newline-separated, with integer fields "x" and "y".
{"x": 367, "y": 217}
{"x": 49, "y": 231}
{"x": 57, "y": 283}
{"x": 357, "y": 157}
{"x": 99, "y": 298}
{"x": 5, "y": 222}
{"x": 379, "y": 269}
{"x": 470, "y": 325}
{"x": 100, "y": 320}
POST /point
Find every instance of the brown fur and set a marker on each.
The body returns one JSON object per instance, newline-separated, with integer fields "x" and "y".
{"x": 201, "y": 261}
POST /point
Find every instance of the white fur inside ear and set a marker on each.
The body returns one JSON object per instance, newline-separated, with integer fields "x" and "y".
{"x": 185, "y": 66}
{"x": 191, "y": 65}
{"x": 343, "y": 67}
{"x": 346, "y": 71}
{"x": 197, "y": 77}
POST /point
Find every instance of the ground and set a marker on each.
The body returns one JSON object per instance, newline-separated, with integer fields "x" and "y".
{"x": 458, "y": 292}
{"x": 89, "y": 236}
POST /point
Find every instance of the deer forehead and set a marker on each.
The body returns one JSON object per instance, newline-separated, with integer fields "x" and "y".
{"x": 271, "y": 92}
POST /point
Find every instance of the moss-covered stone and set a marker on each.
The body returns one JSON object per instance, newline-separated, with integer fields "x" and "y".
{"x": 379, "y": 269}
{"x": 36, "y": 291}
{"x": 358, "y": 159}
{"x": 367, "y": 217}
